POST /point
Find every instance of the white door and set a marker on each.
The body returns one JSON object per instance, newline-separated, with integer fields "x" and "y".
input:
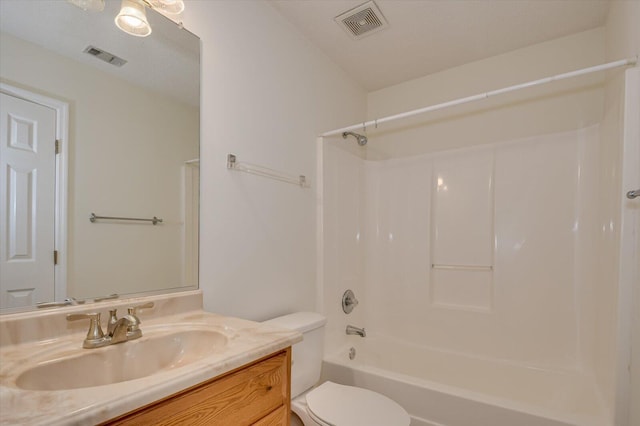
{"x": 27, "y": 202}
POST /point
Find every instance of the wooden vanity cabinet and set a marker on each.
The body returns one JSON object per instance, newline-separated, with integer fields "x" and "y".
{"x": 256, "y": 394}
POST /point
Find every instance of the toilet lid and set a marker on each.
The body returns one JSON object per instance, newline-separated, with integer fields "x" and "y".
{"x": 351, "y": 406}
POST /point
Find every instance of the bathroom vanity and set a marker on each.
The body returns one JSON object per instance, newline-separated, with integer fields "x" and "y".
{"x": 189, "y": 366}
{"x": 255, "y": 394}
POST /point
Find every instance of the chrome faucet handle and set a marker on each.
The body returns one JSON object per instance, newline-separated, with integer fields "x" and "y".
{"x": 95, "y": 336}
{"x": 133, "y": 330}
{"x": 134, "y": 309}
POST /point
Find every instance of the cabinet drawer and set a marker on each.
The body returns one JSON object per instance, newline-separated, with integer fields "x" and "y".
{"x": 239, "y": 398}
{"x": 279, "y": 417}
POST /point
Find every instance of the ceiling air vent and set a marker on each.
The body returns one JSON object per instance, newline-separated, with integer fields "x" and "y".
{"x": 105, "y": 56}
{"x": 363, "y": 20}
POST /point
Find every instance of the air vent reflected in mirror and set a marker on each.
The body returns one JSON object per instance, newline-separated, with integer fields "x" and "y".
{"x": 105, "y": 56}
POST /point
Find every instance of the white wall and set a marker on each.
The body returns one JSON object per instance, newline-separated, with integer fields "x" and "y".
{"x": 266, "y": 94}
{"x": 123, "y": 161}
{"x": 345, "y": 239}
{"x": 622, "y": 39}
{"x": 553, "y": 108}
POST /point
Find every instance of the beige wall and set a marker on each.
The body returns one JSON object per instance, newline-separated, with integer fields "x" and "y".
{"x": 124, "y": 161}
{"x": 266, "y": 94}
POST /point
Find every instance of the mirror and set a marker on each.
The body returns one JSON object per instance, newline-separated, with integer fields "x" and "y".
{"x": 129, "y": 148}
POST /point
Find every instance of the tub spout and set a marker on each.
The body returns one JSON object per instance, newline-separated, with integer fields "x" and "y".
{"x": 355, "y": 330}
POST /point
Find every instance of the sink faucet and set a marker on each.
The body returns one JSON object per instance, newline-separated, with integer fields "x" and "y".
{"x": 96, "y": 337}
{"x": 118, "y": 330}
{"x": 355, "y": 330}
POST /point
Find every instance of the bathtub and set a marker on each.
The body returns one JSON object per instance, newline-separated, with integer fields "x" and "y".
{"x": 440, "y": 388}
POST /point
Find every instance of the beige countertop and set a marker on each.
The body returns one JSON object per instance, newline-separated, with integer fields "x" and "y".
{"x": 246, "y": 341}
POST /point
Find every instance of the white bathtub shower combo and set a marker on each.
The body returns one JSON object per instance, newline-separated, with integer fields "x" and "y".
{"x": 488, "y": 273}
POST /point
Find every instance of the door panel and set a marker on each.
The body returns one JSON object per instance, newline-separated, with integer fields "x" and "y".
{"x": 27, "y": 202}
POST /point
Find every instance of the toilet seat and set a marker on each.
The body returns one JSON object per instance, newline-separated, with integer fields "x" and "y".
{"x": 334, "y": 404}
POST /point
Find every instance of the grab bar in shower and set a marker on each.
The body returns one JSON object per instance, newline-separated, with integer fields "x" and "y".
{"x": 463, "y": 267}
{"x": 232, "y": 163}
{"x": 154, "y": 220}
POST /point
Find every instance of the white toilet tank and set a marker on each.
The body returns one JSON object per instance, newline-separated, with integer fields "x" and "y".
{"x": 306, "y": 356}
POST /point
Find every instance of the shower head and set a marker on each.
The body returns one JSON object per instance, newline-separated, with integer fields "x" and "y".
{"x": 362, "y": 140}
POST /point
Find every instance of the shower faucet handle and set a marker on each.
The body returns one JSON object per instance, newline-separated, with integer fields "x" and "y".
{"x": 349, "y": 301}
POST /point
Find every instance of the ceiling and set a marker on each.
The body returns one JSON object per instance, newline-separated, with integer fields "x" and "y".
{"x": 427, "y": 36}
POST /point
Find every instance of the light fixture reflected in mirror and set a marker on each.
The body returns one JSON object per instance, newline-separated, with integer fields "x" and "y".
{"x": 89, "y": 5}
{"x": 132, "y": 18}
{"x": 172, "y": 7}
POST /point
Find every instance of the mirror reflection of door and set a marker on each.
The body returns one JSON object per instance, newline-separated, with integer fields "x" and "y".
{"x": 27, "y": 194}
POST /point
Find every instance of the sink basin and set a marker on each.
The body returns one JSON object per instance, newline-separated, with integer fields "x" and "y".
{"x": 121, "y": 362}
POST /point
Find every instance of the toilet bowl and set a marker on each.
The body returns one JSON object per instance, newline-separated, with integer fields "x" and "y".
{"x": 334, "y": 404}
{"x": 330, "y": 404}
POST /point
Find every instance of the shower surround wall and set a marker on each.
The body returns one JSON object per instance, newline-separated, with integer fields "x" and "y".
{"x": 488, "y": 231}
{"x": 486, "y": 252}
{"x": 481, "y": 250}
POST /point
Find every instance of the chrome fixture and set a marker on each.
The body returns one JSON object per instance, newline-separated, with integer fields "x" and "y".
{"x": 113, "y": 320}
{"x": 69, "y": 301}
{"x": 134, "y": 329}
{"x": 255, "y": 169}
{"x": 96, "y": 337}
{"x": 349, "y": 301}
{"x": 352, "y": 353}
{"x": 109, "y": 297}
{"x": 362, "y": 140}
{"x": 94, "y": 217}
{"x": 462, "y": 267}
{"x": 118, "y": 330}
{"x": 355, "y": 330}
{"x": 633, "y": 194}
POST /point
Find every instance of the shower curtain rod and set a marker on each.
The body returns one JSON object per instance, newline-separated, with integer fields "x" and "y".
{"x": 480, "y": 96}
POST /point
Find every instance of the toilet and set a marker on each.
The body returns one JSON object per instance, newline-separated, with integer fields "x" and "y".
{"x": 330, "y": 403}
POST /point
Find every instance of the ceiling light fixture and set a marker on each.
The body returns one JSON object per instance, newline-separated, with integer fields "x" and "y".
{"x": 172, "y": 7}
{"x": 89, "y": 5}
{"x": 132, "y": 18}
